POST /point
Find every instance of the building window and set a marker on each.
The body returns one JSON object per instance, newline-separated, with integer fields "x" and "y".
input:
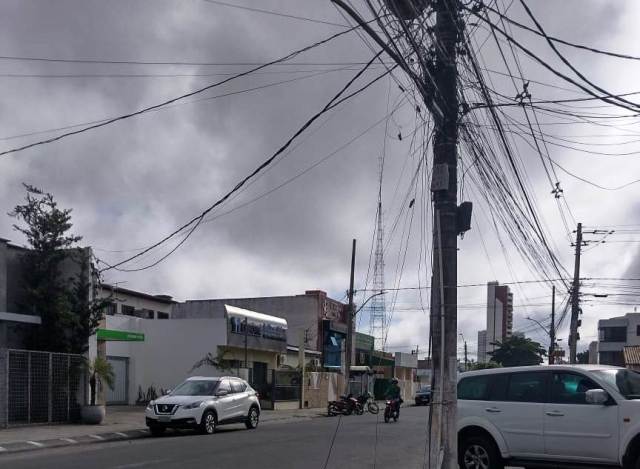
{"x": 638, "y": 330}
{"x": 613, "y": 334}
{"x": 150, "y": 313}
{"x": 110, "y": 309}
{"x": 611, "y": 358}
{"x": 128, "y": 310}
{"x": 161, "y": 315}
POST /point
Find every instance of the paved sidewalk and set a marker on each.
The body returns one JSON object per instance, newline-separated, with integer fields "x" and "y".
{"x": 121, "y": 423}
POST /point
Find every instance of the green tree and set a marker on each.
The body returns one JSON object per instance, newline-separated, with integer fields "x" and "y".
{"x": 583, "y": 357}
{"x": 69, "y": 316}
{"x": 517, "y": 351}
{"x": 482, "y": 366}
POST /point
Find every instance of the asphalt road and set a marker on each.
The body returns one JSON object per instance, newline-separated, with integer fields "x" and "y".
{"x": 360, "y": 442}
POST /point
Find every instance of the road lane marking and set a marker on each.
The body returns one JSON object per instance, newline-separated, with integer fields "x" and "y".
{"x": 140, "y": 464}
{"x": 69, "y": 440}
{"x": 121, "y": 434}
{"x": 97, "y": 437}
{"x": 35, "y": 443}
{"x": 2, "y": 449}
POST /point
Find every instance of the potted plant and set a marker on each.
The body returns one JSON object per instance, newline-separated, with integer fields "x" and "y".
{"x": 100, "y": 371}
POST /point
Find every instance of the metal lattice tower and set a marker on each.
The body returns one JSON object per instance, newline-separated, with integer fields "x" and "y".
{"x": 377, "y": 310}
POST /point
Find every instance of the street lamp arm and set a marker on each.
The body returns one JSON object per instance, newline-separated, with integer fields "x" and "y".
{"x": 539, "y": 324}
{"x": 367, "y": 301}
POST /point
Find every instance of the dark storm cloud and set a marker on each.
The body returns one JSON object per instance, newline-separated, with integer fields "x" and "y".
{"x": 134, "y": 181}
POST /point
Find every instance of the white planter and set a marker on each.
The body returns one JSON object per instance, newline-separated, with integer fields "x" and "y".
{"x": 92, "y": 414}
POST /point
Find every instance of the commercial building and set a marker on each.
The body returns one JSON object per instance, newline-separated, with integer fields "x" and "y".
{"x": 135, "y": 303}
{"x": 499, "y": 317}
{"x": 482, "y": 347}
{"x": 593, "y": 353}
{"x": 17, "y": 319}
{"x": 614, "y": 334}
{"x": 322, "y": 319}
{"x": 150, "y": 355}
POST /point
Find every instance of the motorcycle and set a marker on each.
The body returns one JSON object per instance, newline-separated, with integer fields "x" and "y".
{"x": 367, "y": 402}
{"x": 345, "y": 406}
{"x": 392, "y": 410}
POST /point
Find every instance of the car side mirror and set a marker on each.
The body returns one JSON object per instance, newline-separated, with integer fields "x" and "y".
{"x": 167, "y": 392}
{"x": 221, "y": 392}
{"x": 597, "y": 396}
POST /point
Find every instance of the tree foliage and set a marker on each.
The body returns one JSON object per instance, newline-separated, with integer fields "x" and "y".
{"x": 68, "y": 313}
{"x": 100, "y": 372}
{"x": 472, "y": 366}
{"x": 517, "y": 351}
{"x": 583, "y": 357}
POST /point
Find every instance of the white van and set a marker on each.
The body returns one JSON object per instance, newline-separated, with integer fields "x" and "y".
{"x": 565, "y": 415}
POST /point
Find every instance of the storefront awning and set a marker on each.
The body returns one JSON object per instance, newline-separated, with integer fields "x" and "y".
{"x": 234, "y": 311}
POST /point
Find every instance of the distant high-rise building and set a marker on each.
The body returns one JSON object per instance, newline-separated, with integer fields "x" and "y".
{"x": 482, "y": 347}
{"x": 499, "y": 314}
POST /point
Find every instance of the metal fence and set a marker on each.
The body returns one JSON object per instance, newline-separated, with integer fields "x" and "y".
{"x": 42, "y": 387}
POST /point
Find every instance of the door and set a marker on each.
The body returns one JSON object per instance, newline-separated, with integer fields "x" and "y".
{"x": 517, "y": 409}
{"x": 120, "y": 392}
{"x": 224, "y": 404}
{"x": 575, "y": 429}
{"x": 240, "y": 398}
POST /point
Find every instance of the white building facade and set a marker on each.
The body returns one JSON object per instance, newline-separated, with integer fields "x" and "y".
{"x": 614, "y": 334}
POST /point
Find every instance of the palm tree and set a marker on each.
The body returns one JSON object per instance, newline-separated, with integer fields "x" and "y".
{"x": 100, "y": 371}
{"x": 517, "y": 351}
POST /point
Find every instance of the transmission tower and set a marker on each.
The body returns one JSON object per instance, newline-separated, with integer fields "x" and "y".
{"x": 377, "y": 310}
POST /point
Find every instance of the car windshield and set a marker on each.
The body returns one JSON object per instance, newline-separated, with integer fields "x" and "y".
{"x": 625, "y": 381}
{"x": 196, "y": 388}
{"x": 425, "y": 389}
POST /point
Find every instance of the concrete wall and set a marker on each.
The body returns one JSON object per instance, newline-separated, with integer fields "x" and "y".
{"x": 169, "y": 351}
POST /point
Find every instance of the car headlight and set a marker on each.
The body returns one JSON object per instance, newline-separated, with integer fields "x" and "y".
{"x": 150, "y": 405}
{"x": 193, "y": 405}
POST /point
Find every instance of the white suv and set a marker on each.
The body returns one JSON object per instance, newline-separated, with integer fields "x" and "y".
{"x": 565, "y": 415}
{"x": 204, "y": 403}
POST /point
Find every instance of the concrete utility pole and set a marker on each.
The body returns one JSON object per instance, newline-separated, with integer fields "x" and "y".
{"x": 575, "y": 300}
{"x": 440, "y": 93}
{"x": 552, "y": 331}
{"x": 444, "y": 329}
{"x": 350, "y": 316}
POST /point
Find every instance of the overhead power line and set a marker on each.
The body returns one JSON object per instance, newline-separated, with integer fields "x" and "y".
{"x": 179, "y": 98}
{"x": 276, "y": 13}
{"x": 193, "y": 224}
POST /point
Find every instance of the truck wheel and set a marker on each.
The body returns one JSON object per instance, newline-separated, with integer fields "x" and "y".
{"x": 479, "y": 452}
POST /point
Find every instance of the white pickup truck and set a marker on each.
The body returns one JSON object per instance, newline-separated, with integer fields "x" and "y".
{"x": 558, "y": 416}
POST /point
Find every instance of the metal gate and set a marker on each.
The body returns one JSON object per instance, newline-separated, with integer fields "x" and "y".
{"x": 120, "y": 392}
{"x": 43, "y": 387}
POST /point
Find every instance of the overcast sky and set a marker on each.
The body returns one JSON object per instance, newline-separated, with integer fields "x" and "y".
{"x": 133, "y": 182}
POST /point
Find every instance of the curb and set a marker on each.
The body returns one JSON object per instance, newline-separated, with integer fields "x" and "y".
{"x": 33, "y": 445}
{"x": 93, "y": 438}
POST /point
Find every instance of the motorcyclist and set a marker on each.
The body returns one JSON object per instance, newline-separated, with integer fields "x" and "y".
{"x": 393, "y": 394}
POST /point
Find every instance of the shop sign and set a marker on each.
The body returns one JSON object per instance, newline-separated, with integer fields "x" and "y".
{"x": 119, "y": 336}
{"x": 254, "y": 329}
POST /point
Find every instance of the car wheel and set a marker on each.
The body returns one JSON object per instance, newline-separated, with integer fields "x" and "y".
{"x": 479, "y": 452}
{"x": 156, "y": 430}
{"x": 209, "y": 423}
{"x": 253, "y": 418}
{"x": 332, "y": 410}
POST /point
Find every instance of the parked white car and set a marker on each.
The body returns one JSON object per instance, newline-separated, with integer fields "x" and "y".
{"x": 204, "y": 403}
{"x": 560, "y": 414}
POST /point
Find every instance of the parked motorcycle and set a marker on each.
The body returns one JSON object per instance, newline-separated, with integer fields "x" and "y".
{"x": 345, "y": 406}
{"x": 392, "y": 410}
{"x": 367, "y": 402}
